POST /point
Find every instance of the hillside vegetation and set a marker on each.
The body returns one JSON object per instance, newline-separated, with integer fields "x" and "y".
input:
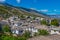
{"x": 7, "y": 11}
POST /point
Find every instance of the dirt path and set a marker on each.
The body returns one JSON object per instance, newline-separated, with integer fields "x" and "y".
{"x": 51, "y": 37}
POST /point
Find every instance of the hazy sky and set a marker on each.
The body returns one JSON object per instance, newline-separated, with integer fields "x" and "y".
{"x": 47, "y": 6}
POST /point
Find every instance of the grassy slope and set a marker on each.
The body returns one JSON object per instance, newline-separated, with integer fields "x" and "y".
{"x": 7, "y": 11}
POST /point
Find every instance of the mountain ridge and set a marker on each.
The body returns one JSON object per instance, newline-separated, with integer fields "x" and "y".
{"x": 22, "y": 10}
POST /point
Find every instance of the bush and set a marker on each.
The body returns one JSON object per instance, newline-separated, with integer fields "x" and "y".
{"x": 43, "y": 32}
{"x": 55, "y": 22}
{"x": 6, "y": 28}
{"x": 27, "y": 34}
{"x": 44, "y": 22}
{"x": 22, "y": 38}
{"x": 7, "y": 37}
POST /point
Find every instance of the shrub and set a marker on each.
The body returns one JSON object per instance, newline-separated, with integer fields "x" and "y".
{"x": 43, "y": 32}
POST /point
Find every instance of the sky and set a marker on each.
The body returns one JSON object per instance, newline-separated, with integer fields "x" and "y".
{"x": 50, "y": 7}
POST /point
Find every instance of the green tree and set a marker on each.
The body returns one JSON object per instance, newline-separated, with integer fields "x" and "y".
{"x": 6, "y": 28}
{"x": 43, "y": 32}
{"x": 33, "y": 18}
{"x": 10, "y": 37}
{"x": 27, "y": 34}
{"x": 6, "y": 37}
{"x": 55, "y": 22}
{"x": 22, "y": 38}
{"x": 44, "y": 22}
{"x": 22, "y": 16}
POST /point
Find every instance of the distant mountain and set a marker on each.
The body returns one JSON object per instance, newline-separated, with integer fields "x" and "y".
{"x": 31, "y": 11}
{"x": 55, "y": 16}
{"x": 9, "y": 10}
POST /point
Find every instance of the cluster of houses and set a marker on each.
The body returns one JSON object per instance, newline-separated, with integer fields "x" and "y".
{"x": 19, "y": 26}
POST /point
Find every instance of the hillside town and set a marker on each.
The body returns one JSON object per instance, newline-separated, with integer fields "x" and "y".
{"x": 20, "y": 26}
{"x": 19, "y": 23}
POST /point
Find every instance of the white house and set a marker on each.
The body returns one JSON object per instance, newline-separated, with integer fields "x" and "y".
{"x": 55, "y": 31}
{"x": 17, "y": 30}
{"x": 41, "y": 18}
{"x": 32, "y": 29}
{"x": 37, "y": 18}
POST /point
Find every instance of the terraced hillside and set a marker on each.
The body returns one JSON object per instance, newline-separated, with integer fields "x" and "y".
{"x": 7, "y": 10}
